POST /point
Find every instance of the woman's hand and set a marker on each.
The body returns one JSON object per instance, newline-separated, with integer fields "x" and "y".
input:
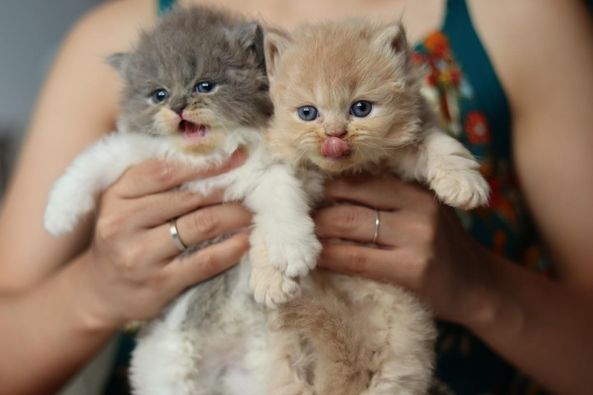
{"x": 134, "y": 266}
{"x": 420, "y": 245}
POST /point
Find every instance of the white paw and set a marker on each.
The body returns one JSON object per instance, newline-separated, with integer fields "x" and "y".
{"x": 295, "y": 257}
{"x": 62, "y": 215}
{"x": 271, "y": 287}
{"x": 461, "y": 188}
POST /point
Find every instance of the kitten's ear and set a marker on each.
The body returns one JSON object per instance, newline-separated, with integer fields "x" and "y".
{"x": 275, "y": 42}
{"x": 392, "y": 38}
{"x": 119, "y": 62}
{"x": 250, "y": 37}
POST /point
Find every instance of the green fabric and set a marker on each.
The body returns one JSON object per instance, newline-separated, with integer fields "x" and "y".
{"x": 473, "y": 59}
{"x": 118, "y": 383}
{"x": 165, "y": 5}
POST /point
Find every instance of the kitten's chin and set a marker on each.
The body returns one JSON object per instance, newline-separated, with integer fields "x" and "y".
{"x": 334, "y": 165}
{"x": 197, "y": 139}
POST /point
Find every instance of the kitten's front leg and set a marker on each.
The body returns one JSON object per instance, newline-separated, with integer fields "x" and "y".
{"x": 270, "y": 286}
{"x": 282, "y": 218}
{"x": 75, "y": 193}
{"x": 283, "y": 242}
{"x": 448, "y": 168}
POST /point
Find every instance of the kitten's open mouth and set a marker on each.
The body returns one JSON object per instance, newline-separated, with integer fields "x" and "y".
{"x": 192, "y": 131}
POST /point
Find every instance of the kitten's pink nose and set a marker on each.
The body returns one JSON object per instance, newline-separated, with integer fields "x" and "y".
{"x": 336, "y": 133}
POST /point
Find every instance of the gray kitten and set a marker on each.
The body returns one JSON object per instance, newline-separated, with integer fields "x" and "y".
{"x": 196, "y": 91}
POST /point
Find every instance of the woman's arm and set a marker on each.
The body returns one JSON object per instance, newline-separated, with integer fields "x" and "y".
{"x": 77, "y": 105}
{"x": 544, "y": 55}
{"x": 44, "y": 335}
{"x": 548, "y": 76}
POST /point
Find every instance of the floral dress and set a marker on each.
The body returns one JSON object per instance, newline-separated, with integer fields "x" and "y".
{"x": 460, "y": 82}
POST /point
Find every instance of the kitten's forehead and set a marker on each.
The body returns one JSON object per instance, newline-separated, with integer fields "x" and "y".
{"x": 185, "y": 45}
{"x": 175, "y": 62}
{"x": 336, "y": 62}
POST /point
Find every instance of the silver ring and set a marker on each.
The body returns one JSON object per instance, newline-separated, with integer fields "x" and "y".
{"x": 377, "y": 226}
{"x": 174, "y": 232}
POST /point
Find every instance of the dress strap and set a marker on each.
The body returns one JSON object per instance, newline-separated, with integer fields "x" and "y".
{"x": 164, "y": 6}
{"x": 476, "y": 65}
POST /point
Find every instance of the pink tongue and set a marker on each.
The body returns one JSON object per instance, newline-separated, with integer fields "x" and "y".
{"x": 335, "y": 148}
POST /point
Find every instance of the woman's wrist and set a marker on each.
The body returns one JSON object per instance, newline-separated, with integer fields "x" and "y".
{"x": 89, "y": 305}
{"x": 490, "y": 300}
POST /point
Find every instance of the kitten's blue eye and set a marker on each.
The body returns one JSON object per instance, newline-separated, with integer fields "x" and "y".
{"x": 361, "y": 108}
{"x": 204, "y": 86}
{"x": 159, "y": 96}
{"x": 307, "y": 113}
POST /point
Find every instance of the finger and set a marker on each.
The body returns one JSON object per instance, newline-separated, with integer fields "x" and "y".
{"x": 208, "y": 262}
{"x": 359, "y": 223}
{"x": 199, "y": 226}
{"x": 384, "y": 265}
{"x": 386, "y": 193}
{"x": 153, "y": 176}
{"x": 349, "y": 222}
{"x": 154, "y": 210}
{"x": 354, "y": 259}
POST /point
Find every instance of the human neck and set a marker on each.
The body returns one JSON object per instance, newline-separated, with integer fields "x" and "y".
{"x": 420, "y": 18}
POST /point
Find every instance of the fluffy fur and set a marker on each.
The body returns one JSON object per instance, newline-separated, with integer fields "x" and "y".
{"x": 211, "y": 339}
{"x": 349, "y": 335}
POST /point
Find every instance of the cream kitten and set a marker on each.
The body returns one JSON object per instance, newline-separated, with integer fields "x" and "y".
{"x": 195, "y": 90}
{"x": 347, "y": 100}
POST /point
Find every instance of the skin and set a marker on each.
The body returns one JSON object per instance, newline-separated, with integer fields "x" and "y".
{"x": 121, "y": 264}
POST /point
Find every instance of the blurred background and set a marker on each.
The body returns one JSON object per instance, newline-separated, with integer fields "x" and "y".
{"x": 30, "y": 34}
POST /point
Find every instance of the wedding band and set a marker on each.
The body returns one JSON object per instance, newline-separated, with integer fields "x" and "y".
{"x": 174, "y": 232}
{"x": 377, "y": 226}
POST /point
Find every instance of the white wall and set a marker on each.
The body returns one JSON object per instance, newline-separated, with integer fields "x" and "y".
{"x": 30, "y": 33}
